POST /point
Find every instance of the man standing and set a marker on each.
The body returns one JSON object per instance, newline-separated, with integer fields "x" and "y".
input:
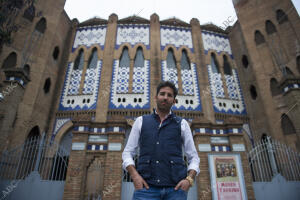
{"x": 161, "y": 173}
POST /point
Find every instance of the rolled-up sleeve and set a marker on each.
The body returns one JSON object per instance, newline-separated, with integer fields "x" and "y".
{"x": 132, "y": 143}
{"x": 189, "y": 147}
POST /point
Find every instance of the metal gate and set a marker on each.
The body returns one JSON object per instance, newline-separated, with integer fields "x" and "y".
{"x": 35, "y": 170}
{"x": 275, "y": 170}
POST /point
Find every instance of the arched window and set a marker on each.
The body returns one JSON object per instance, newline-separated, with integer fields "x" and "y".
{"x": 34, "y": 133}
{"x": 245, "y": 61}
{"x": 138, "y": 72}
{"x": 185, "y": 63}
{"x": 253, "y": 92}
{"x": 29, "y": 13}
{"x": 274, "y": 87}
{"x": 171, "y": 63}
{"x": 264, "y": 137}
{"x": 79, "y": 61}
{"x": 281, "y": 17}
{"x": 55, "y": 53}
{"x": 41, "y": 26}
{"x": 92, "y": 64}
{"x": 29, "y": 154}
{"x": 61, "y": 160}
{"x": 287, "y": 125}
{"x": 123, "y": 73}
{"x": 186, "y": 74}
{"x": 214, "y": 64}
{"x": 270, "y": 27}
{"x": 27, "y": 69}
{"x": 259, "y": 38}
{"x": 139, "y": 58}
{"x": 47, "y": 85}
{"x": 298, "y": 63}
{"x": 288, "y": 72}
{"x": 227, "y": 67}
{"x": 10, "y": 61}
{"x": 125, "y": 59}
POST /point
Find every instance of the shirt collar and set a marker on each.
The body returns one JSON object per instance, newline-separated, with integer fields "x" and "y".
{"x": 170, "y": 113}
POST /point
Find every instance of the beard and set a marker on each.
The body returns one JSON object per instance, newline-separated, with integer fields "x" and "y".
{"x": 164, "y": 106}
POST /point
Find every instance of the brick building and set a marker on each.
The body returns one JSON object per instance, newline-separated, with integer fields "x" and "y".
{"x": 81, "y": 85}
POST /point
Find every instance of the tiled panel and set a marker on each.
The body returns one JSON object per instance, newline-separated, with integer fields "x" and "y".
{"x": 234, "y": 104}
{"x": 59, "y": 122}
{"x": 220, "y": 148}
{"x": 122, "y": 80}
{"x": 107, "y": 129}
{"x": 169, "y": 74}
{"x": 232, "y": 86}
{"x": 11, "y": 78}
{"x": 75, "y": 82}
{"x": 133, "y": 34}
{"x": 176, "y": 36}
{"x": 189, "y": 101}
{"x": 217, "y": 42}
{"x": 291, "y": 86}
{"x": 97, "y": 147}
{"x": 187, "y": 82}
{"x": 139, "y": 99}
{"x": 90, "y": 82}
{"x": 86, "y": 101}
{"x": 218, "y": 131}
{"x": 216, "y": 83}
{"x": 138, "y": 80}
{"x": 89, "y": 36}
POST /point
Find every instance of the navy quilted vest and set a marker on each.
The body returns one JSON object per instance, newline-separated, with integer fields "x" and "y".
{"x": 161, "y": 162}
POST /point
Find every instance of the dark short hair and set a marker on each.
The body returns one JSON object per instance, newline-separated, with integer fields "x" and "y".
{"x": 167, "y": 84}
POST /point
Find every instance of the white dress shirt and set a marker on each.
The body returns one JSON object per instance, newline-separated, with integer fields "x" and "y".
{"x": 186, "y": 135}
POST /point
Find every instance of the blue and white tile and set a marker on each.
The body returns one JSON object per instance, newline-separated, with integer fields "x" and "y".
{"x": 90, "y": 82}
{"x": 88, "y": 36}
{"x": 85, "y": 101}
{"x": 217, "y": 42}
{"x": 74, "y": 82}
{"x": 222, "y": 104}
{"x": 58, "y": 124}
{"x": 187, "y": 82}
{"x": 216, "y": 84}
{"x": 133, "y": 34}
{"x": 169, "y": 74}
{"x": 122, "y": 81}
{"x": 188, "y": 101}
{"x": 139, "y": 100}
{"x": 138, "y": 84}
{"x": 176, "y": 36}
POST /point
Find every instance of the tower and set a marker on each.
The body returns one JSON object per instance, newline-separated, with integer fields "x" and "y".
{"x": 265, "y": 43}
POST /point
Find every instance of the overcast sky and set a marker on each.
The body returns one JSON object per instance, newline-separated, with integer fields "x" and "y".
{"x": 216, "y": 11}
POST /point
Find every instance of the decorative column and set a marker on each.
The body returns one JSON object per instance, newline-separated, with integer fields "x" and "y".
{"x": 113, "y": 165}
{"x": 155, "y": 58}
{"x": 76, "y": 173}
{"x": 106, "y": 73}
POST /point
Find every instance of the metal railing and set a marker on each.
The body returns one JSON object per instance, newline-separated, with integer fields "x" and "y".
{"x": 270, "y": 157}
{"x": 36, "y": 154}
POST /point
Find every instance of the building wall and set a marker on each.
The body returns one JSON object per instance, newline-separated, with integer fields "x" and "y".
{"x": 265, "y": 59}
{"x": 36, "y": 50}
{"x": 99, "y": 124}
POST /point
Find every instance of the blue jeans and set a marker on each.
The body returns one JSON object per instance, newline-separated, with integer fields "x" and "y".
{"x": 159, "y": 193}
